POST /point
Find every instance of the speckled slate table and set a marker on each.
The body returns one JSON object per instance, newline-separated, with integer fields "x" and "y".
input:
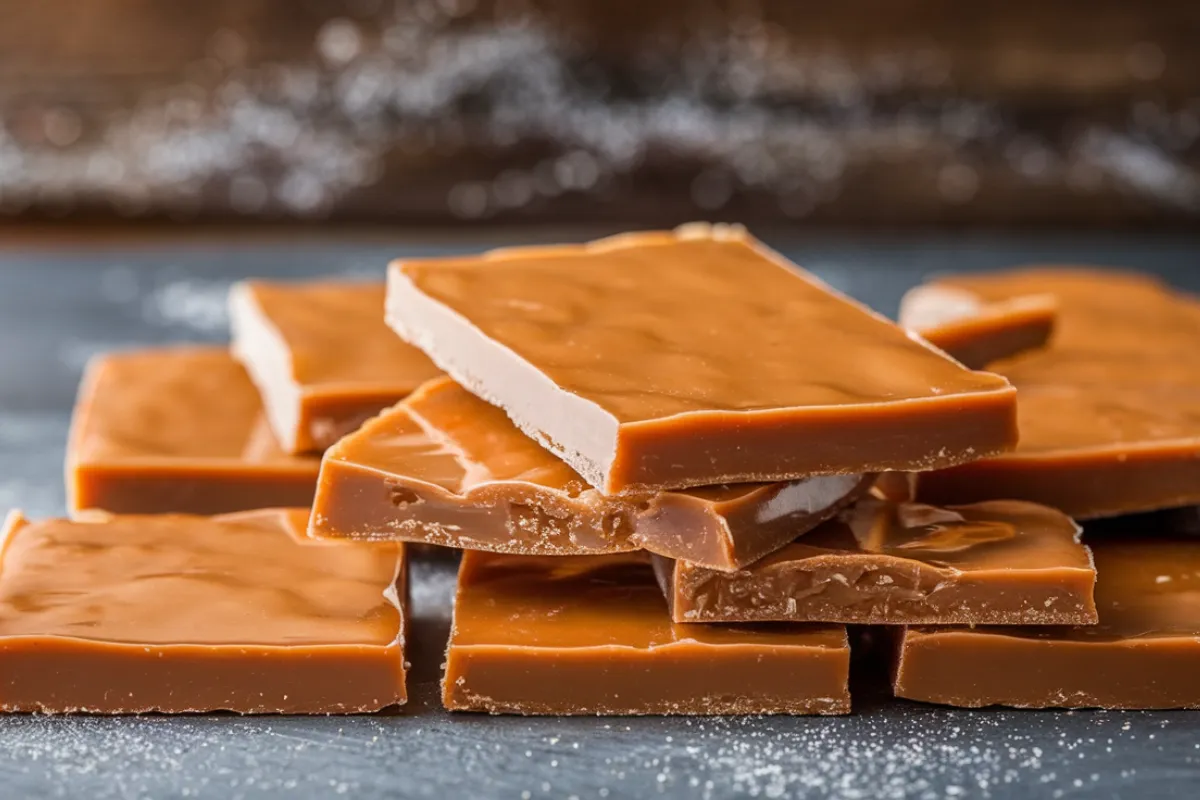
{"x": 59, "y": 306}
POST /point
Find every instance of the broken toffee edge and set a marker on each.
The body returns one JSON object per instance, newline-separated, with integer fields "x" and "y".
{"x": 667, "y": 572}
{"x": 347, "y": 483}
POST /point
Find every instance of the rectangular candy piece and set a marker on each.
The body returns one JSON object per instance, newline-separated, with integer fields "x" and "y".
{"x": 177, "y": 429}
{"x": 1109, "y": 412}
{"x": 980, "y": 333}
{"x": 321, "y": 356}
{"x": 667, "y": 360}
{"x": 1144, "y": 654}
{"x": 444, "y": 467}
{"x": 181, "y": 614}
{"x": 591, "y": 635}
{"x": 880, "y": 563}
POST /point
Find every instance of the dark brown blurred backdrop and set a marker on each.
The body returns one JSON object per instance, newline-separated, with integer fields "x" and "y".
{"x": 926, "y": 112}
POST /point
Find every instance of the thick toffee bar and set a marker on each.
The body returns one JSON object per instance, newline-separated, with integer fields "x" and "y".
{"x": 174, "y": 613}
{"x": 177, "y": 429}
{"x": 1145, "y": 653}
{"x": 444, "y": 467}
{"x": 591, "y": 635}
{"x": 698, "y": 357}
{"x": 997, "y": 563}
{"x": 1109, "y": 412}
{"x": 321, "y": 356}
{"x": 978, "y": 334}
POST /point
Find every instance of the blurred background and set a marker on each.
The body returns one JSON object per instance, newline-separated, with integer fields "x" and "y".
{"x": 153, "y": 152}
{"x": 927, "y": 113}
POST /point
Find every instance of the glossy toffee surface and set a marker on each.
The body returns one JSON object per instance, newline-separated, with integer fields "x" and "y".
{"x": 1002, "y": 562}
{"x": 691, "y": 358}
{"x": 177, "y": 429}
{"x": 595, "y": 601}
{"x": 322, "y": 356}
{"x": 175, "y": 579}
{"x": 336, "y": 334}
{"x": 444, "y": 467}
{"x": 1146, "y": 588}
{"x": 980, "y": 334}
{"x": 160, "y": 597}
{"x": 1109, "y": 412}
{"x": 591, "y": 634}
{"x": 1144, "y": 653}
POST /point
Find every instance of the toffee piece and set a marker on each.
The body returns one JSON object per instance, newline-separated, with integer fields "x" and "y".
{"x": 1144, "y": 654}
{"x": 591, "y": 635}
{"x": 695, "y": 357}
{"x": 880, "y": 563}
{"x": 444, "y": 467}
{"x": 177, "y": 429}
{"x": 1109, "y": 412}
{"x": 321, "y": 357}
{"x": 978, "y": 334}
{"x": 975, "y": 334}
{"x": 181, "y": 614}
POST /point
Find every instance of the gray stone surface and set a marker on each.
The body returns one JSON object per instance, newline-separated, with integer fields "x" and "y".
{"x": 57, "y": 307}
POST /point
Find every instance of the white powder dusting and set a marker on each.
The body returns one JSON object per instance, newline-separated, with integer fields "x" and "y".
{"x": 883, "y": 753}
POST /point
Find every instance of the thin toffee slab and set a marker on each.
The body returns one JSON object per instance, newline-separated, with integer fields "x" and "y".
{"x": 695, "y": 357}
{"x": 591, "y": 635}
{"x": 1109, "y": 411}
{"x": 177, "y": 429}
{"x": 181, "y": 614}
{"x": 1144, "y": 653}
{"x": 321, "y": 357}
{"x": 444, "y": 467}
{"x": 882, "y": 563}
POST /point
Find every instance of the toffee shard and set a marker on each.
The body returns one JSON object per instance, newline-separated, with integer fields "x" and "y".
{"x": 444, "y": 467}
{"x": 1143, "y": 654}
{"x": 131, "y": 614}
{"x": 977, "y": 333}
{"x": 694, "y": 357}
{"x": 1108, "y": 413}
{"x": 177, "y": 429}
{"x": 591, "y": 635}
{"x": 321, "y": 357}
{"x": 882, "y": 563}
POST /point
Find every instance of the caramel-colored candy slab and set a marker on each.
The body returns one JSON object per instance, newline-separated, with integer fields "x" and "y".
{"x": 182, "y": 614}
{"x": 881, "y": 563}
{"x": 321, "y": 356}
{"x": 1144, "y": 653}
{"x": 444, "y": 467}
{"x": 591, "y": 635}
{"x": 980, "y": 333}
{"x": 1109, "y": 412}
{"x": 177, "y": 429}
{"x": 690, "y": 358}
